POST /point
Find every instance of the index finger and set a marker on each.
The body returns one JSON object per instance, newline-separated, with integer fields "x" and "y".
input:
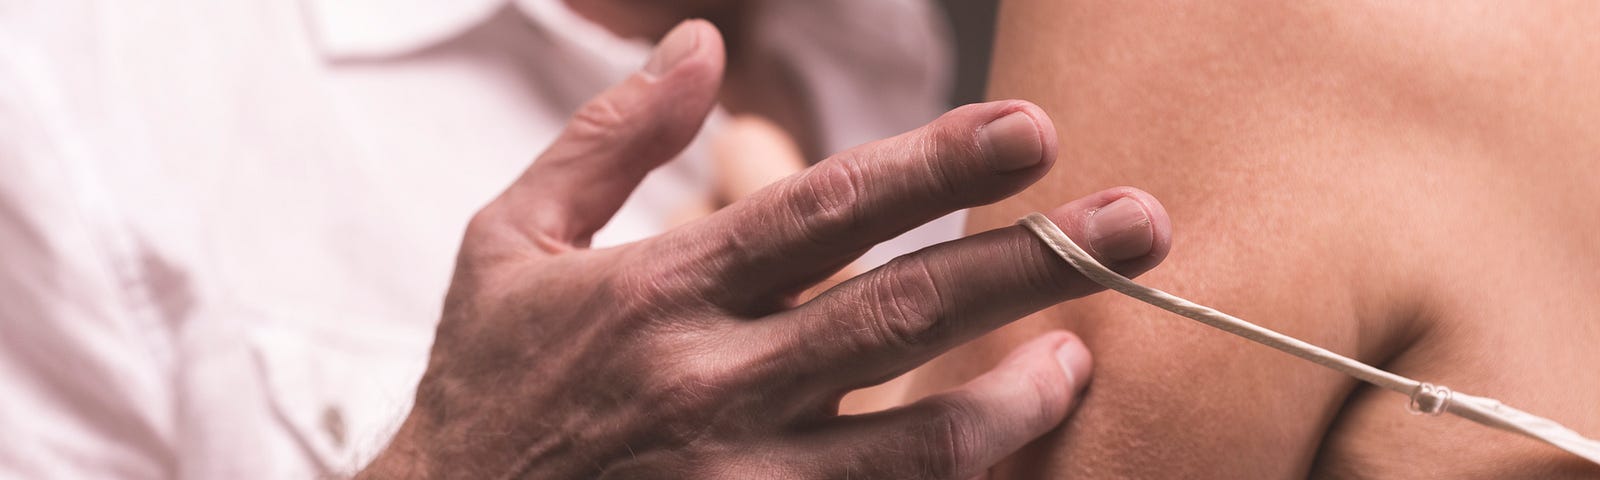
{"x": 786, "y": 237}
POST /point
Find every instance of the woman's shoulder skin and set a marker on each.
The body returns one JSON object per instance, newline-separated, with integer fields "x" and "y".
{"x": 1427, "y": 179}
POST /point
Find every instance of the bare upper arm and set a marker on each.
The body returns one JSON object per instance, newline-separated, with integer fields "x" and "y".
{"x": 1320, "y": 163}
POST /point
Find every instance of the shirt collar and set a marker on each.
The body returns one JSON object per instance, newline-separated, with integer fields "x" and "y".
{"x": 377, "y": 29}
{"x": 370, "y": 29}
{"x": 614, "y": 56}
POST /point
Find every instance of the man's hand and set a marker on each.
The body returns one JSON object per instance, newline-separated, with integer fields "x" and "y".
{"x": 686, "y": 355}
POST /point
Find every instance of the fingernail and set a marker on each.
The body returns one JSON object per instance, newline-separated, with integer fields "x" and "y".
{"x": 1012, "y": 143}
{"x": 1121, "y": 230}
{"x": 678, "y": 45}
{"x": 1074, "y": 359}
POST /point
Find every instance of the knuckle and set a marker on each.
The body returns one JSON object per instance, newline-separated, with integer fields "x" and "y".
{"x": 946, "y": 154}
{"x": 1049, "y": 395}
{"x": 482, "y": 223}
{"x": 648, "y": 291}
{"x": 487, "y": 232}
{"x": 702, "y": 258}
{"x": 689, "y": 392}
{"x": 695, "y": 383}
{"x": 905, "y": 304}
{"x": 600, "y": 119}
{"x": 948, "y": 442}
{"x": 1044, "y": 273}
{"x": 824, "y": 200}
{"x": 698, "y": 260}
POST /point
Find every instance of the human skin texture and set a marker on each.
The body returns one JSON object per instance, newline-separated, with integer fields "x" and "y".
{"x": 1412, "y": 184}
{"x": 691, "y": 354}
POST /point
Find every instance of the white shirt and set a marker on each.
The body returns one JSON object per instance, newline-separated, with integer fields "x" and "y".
{"x": 226, "y": 228}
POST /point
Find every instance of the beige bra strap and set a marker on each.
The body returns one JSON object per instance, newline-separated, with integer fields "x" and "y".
{"x": 1425, "y": 398}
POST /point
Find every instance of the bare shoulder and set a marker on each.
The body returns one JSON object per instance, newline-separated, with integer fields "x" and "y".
{"x": 1410, "y": 185}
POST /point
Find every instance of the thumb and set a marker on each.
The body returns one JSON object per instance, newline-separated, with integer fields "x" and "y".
{"x": 576, "y": 185}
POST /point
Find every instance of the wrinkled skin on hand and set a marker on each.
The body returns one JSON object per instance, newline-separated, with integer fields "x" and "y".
{"x": 688, "y": 355}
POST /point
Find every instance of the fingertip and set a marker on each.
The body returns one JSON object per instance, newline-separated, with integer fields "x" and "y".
{"x": 1014, "y": 136}
{"x": 1161, "y": 225}
{"x": 685, "y": 70}
{"x": 1160, "y": 222}
{"x": 1018, "y": 137}
{"x": 613, "y": 140}
{"x": 711, "y": 49}
{"x": 1065, "y": 351}
{"x": 685, "y": 92}
{"x": 1047, "y": 131}
{"x": 1123, "y": 227}
{"x": 1076, "y": 362}
{"x": 692, "y": 41}
{"x": 985, "y": 151}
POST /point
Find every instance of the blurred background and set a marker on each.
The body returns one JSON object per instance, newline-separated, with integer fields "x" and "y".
{"x": 972, "y": 26}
